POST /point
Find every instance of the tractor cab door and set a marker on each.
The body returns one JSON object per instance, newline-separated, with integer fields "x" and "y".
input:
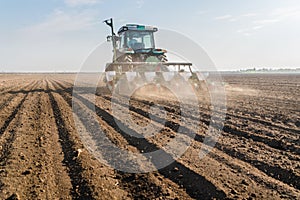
{"x": 122, "y": 41}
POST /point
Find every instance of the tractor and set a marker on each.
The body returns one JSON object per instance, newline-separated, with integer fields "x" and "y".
{"x": 135, "y": 56}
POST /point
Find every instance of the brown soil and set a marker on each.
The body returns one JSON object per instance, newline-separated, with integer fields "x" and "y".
{"x": 256, "y": 157}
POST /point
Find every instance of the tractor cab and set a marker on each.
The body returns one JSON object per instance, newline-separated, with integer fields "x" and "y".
{"x": 137, "y": 41}
{"x": 136, "y": 37}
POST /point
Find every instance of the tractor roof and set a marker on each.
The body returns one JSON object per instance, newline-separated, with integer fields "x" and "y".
{"x": 137, "y": 27}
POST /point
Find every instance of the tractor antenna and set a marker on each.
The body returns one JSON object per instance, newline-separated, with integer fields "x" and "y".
{"x": 109, "y": 22}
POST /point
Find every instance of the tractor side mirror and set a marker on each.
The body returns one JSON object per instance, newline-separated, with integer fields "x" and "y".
{"x": 116, "y": 38}
{"x": 109, "y": 38}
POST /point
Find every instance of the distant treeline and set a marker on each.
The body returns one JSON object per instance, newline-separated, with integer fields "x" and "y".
{"x": 270, "y": 70}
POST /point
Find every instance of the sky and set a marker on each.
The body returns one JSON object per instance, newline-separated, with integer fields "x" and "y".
{"x": 58, "y": 35}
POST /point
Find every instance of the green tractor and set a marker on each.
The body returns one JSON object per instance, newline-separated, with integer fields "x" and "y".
{"x": 135, "y": 56}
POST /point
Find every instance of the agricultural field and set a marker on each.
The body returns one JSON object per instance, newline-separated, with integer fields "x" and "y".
{"x": 42, "y": 155}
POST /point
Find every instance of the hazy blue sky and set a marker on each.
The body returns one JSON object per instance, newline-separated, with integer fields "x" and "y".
{"x": 57, "y": 35}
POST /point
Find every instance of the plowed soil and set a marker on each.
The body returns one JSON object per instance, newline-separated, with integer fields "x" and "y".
{"x": 256, "y": 157}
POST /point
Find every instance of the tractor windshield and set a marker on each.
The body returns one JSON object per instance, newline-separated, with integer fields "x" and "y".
{"x": 137, "y": 40}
